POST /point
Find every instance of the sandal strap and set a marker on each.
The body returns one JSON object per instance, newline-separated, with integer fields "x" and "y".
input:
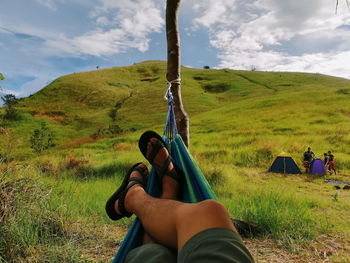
{"x": 121, "y": 200}
{"x": 173, "y": 174}
{"x": 140, "y": 169}
{"x": 163, "y": 171}
{"x": 164, "y": 168}
{"x": 156, "y": 147}
{"x": 134, "y": 181}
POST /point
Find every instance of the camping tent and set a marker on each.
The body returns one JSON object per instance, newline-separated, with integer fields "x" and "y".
{"x": 317, "y": 167}
{"x": 284, "y": 163}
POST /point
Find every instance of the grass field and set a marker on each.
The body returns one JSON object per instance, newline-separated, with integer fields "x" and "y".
{"x": 240, "y": 120}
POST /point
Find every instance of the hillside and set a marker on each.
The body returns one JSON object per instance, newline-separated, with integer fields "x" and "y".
{"x": 239, "y": 121}
{"x": 280, "y": 111}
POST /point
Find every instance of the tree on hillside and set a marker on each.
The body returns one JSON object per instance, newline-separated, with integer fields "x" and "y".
{"x": 10, "y": 101}
{"x": 42, "y": 139}
{"x": 173, "y": 67}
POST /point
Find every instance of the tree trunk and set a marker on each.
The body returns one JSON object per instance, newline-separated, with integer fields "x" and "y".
{"x": 173, "y": 70}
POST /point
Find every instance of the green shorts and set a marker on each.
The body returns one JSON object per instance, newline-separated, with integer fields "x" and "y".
{"x": 211, "y": 245}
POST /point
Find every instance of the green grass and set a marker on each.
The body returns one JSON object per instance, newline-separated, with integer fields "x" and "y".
{"x": 34, "y": 227}
{"x": 240, "y": 120}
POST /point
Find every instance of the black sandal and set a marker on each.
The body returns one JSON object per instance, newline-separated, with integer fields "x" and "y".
{"x": 161, "y": 171}
{"x": 122, "y": 191}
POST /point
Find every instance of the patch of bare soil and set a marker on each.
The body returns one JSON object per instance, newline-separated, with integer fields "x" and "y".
{"x": 98, "y": 243}
{"x": 324, "y": 249}
{"x": 52, "y": 116}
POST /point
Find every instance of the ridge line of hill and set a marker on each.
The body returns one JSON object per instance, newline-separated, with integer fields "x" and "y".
{"x": 256, "y": 82}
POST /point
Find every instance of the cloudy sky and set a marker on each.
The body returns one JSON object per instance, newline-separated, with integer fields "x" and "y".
{"x": 41, "y": 40}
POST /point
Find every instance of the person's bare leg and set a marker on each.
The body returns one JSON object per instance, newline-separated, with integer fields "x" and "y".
{"x": 169, "y": 185}
{"x": 172, "y": 223}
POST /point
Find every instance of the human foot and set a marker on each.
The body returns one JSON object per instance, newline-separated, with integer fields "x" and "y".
{"x": 117, "y": 204}
{"x": 153, "y": 148}
{"x": 169, "y": 177}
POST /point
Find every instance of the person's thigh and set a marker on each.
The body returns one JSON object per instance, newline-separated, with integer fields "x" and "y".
{"x": 150, "y": 253}
{"x": 215, "y": 245}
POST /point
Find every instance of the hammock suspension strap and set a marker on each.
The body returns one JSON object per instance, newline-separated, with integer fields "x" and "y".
{"x": 170, "y": 129}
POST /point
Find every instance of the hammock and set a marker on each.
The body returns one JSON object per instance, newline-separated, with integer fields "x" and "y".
{"x": 195, "y": 189}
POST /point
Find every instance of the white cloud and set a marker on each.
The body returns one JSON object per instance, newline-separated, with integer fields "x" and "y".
{"x": 250, "y": 33}
{"x": 214, "y": 12}
{"x": 50, "y": 4}
{"x": 120, "y": 25}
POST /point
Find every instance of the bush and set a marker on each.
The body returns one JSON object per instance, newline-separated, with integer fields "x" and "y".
{"x": 48, "y": 167}
{"x": 114, "y": 129}
{"x": 217, "y": 88}
{"x": 42, "y": 139}
{"x": 79, "y": 166}
{"x": 10, "y": 101}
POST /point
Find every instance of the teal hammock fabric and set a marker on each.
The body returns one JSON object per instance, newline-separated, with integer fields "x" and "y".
{"x": 195, "y": 189}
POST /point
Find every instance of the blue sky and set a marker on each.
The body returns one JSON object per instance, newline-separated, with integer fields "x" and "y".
{"x": 41, "y": 40}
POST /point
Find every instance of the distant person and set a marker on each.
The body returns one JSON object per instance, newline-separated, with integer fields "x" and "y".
{"x": 331, "y": 163}
{"x": 326, "y": 162}
{"x": 307, "y": 159}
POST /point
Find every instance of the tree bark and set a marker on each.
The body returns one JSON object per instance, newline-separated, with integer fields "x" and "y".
{"x": 173, "y": 68}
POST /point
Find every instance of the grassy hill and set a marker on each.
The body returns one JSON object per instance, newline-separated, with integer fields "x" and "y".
{"x": 239, "y": 120}
{"x": 280, "y": 111}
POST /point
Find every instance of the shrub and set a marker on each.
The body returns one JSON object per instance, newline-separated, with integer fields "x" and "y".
{"x": 42, "y": 139}
{"x": 10, "y": 101}
{"x": 80, "y": 167}
{"x": 217, "y": 88}
{"x": 48, "y": 167}
{"x": 73, "y": 162}
{"x": 114, "y": 129}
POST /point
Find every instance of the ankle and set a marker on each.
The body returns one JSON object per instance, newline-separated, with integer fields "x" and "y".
{"x": 133, "y": 194}
{"x": 170, "y": 189}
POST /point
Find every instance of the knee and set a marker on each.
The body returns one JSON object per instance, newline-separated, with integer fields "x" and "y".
{"x": 212, "y": 207}
{"x": 205, "y": 214}
{"x": 205, "y": 210}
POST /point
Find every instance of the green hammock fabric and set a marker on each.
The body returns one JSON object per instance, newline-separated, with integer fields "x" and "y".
{"x": 195, "y": 189}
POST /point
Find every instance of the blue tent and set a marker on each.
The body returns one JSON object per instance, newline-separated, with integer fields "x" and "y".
{"x": 284, "y": 164}
{"x": 317, "y": 167}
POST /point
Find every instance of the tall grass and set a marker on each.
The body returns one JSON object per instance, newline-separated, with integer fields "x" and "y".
{"x": 34, "y": 228}
{"x": 236, "y": 131}
{"x": 276, "y": 210}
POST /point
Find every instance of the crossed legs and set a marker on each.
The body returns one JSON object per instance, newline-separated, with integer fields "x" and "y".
{"x": 170, "y": 222}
